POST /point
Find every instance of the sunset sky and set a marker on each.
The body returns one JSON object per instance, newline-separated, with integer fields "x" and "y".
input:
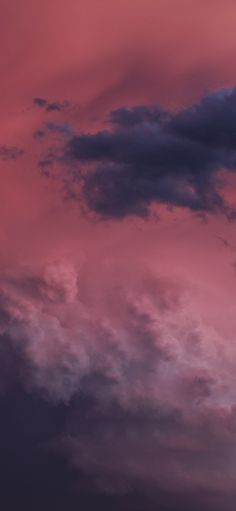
{"x": 118, "y": 255}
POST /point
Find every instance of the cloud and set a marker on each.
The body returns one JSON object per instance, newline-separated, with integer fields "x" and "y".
{"x": 10, "y": 152}
{"x": 151, "y": 156}
{"x": 39, "y": 133}
{"x": 51, "y": 106}
{"x": 145, "y": 384}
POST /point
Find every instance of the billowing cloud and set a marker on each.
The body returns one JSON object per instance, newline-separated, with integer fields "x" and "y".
{"x": 145, "y": 383}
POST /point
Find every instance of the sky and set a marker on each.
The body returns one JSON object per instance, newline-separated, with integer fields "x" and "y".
{"x": 118, "y": 255}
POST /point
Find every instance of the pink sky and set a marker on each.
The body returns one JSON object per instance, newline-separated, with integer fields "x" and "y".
{"x": 100, "y": 55}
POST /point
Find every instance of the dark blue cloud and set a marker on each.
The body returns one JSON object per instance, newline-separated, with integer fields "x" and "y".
{"x": 50, "y": 106}
{"x": 212, "y": 122}
{"x": 152, "y": 156}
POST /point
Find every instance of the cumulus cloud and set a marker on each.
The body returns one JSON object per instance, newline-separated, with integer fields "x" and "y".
{"x": 146, "y": 383}
{"x": 151, "y": 156}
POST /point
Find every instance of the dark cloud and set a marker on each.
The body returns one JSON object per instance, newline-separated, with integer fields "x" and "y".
{"x": 36, "y": 475}
{"x": 151, "y": 156}
{"x": 39, "y": 133}
{"x": 137, "y": 115}
{"x": 108, "y": 446}
{"x": 10, "y": 152}
{"x": 211, "y": 122}
{"x": 40, "y": 102}
{"x": 50, "y": 106}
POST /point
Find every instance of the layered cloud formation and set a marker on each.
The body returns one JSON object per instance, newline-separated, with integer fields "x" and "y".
{"x": 147, "y": 385}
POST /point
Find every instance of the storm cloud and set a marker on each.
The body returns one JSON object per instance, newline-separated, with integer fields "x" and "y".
{"x": 136, "y": 392}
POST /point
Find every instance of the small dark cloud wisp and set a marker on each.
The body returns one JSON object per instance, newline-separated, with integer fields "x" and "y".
{"x": 50, "y": 106}
{"x": 10, "y": 152}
